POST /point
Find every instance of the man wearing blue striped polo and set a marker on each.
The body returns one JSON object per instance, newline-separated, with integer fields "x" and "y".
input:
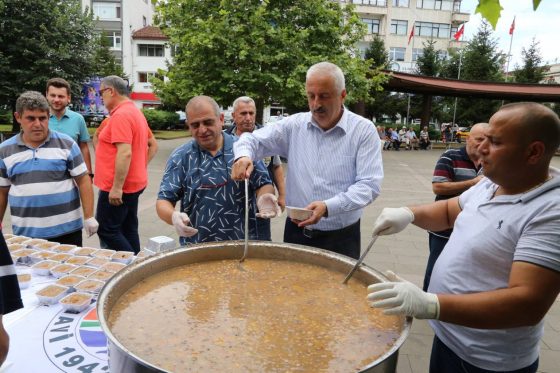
{"x": 335, "y": 167}
{"x": 44, "y": 177}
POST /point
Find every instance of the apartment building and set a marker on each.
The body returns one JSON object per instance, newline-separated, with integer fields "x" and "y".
{"x": 118, "y": 21}
{"x": 393, "y": 20}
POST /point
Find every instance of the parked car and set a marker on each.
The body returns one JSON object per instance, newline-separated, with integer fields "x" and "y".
{"x": 462, "y": 134}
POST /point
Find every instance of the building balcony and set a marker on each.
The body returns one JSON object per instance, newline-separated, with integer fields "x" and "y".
{"x": 369, "y": 9}
{"x": 454, "y": 44}
{"x": 458, "y": 18}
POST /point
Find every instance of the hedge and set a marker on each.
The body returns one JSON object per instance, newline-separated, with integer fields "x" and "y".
{"x": 161, "y": 120}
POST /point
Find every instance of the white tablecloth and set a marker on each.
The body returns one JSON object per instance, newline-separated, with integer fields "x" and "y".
{"x": 45, "y": 339}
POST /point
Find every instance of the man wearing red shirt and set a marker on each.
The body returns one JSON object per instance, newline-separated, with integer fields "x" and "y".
{"x": 120, "y": 172}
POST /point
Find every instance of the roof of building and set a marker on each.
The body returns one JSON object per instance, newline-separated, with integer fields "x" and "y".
{"x": 410, "y": 83}
{"x": 149, "y": 33}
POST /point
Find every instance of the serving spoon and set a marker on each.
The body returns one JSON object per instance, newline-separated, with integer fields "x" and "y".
{"x": 373, "y": 239}
{"x": 246, "y": 248}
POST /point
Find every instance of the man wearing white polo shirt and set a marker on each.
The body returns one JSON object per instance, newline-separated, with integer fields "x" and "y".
{"x": 500, "y": 271}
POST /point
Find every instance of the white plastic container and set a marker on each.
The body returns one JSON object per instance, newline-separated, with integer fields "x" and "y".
{"x": 78, "y": 260}
{"x": 48, "y": 245}
{"x": 112, "y": 267}
{"x": 86, "y": 251}
{"x": 76, "y": 302}
{"x": 84, "y": 271}
{"x": 90, "y": 286}
{"x": 51, "y": 294}
{"x": 64, "y": 248}
{"x": 43, "y": 268}
{"x": 70, "y": 281}
{"x": 22, "y": 256}
{"x": 297, "y": 213}
{"x": 62, "y": 270}
{"x": 40, "y": 256}
{"x": 123, "y": 257}
{"x": 161, "y": 243}
{"x": 24, "y": 280}
{"x": 103, "y": 253}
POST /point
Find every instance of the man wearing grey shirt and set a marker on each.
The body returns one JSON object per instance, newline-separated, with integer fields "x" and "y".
{"x": 335, "y": 167}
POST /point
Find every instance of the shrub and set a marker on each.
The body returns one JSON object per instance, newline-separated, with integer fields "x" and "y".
{"x": 161, "y": 120}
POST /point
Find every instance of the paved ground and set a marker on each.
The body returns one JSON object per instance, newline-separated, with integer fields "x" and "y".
{"x": 407, "y": 181}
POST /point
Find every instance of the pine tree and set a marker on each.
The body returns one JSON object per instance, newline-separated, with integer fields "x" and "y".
{"x": 532, "y": 70}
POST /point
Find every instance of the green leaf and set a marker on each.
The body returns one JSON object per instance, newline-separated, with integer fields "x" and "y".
{"x": 536, "y": 4}
{"x": 490, "y": 10}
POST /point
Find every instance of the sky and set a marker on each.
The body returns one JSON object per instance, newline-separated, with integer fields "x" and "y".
{"x": 542, "y": 24}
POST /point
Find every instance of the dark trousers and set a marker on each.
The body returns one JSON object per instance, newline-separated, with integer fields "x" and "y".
{"x": 74, "y": 238}
{"x": 443, "y": 360}
{"x": 263, "y": 229}
{"x": 344, "y": 241}
{"x": 436, "y": 247}
{"x": 118, "y": 225}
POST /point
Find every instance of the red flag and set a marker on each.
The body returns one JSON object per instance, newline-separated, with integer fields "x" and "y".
{"x": 459, "y": 32}
{"x": 411, "y": 34}
{"x": 512, "y": 27}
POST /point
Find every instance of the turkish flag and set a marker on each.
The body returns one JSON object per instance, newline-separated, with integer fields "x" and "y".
{"x": 512, "y": 27}
{"x": 411, "y": 34}
{"x": 459, "y": 32}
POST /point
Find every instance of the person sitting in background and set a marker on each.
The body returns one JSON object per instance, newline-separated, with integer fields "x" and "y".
{"x": 394, "y": 140}
{"x": 424, "y": 139}
{"x": 412, "y": 140}
{"x": 500, "y": 271}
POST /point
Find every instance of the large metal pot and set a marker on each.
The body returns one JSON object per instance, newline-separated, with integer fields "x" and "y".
{"x": 123, "y": 360}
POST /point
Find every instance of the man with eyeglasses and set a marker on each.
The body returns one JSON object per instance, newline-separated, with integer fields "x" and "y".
{"x": 212, "y": 205}
{"x": 120, "y": 167}
{"x": 244, "y": 117}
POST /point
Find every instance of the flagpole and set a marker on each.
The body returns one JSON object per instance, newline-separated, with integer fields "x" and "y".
{"x": 458, "y": 77}
{"x": 509, "y": 52}
{"x": 411, "y": 63}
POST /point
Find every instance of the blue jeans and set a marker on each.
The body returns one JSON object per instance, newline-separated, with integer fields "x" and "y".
{"x": 437, "y": 244}
{"x": 118, "y": 225}
{"x": 443, "y": 360}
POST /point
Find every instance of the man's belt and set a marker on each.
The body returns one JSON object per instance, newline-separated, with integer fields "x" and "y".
{"x": 315, "y": 233}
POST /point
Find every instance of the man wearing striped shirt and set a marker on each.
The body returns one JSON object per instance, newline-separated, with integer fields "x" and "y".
{"x": 44, "y": 177}
{"x": 334, "y": 169}
{"x": 456, "y": 171}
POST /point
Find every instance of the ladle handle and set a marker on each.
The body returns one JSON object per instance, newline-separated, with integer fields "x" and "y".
{"x": 373, "y": 239}
{"x": 246, "y": 248}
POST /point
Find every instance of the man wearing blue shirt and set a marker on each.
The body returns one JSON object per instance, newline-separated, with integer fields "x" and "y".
{"x": 64, "y": 120}
{"x": 198, "y": 174}
{"x": 335, "y": 166}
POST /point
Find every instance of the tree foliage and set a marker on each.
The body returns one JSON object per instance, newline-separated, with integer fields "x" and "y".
{"x": 41, "y": 39}
{"x": 532, "y": 70}
{"x": 428, "y": 64}
{"x": 381, "y": 101}
{"x": 480, "y": 61}
{"x": 104, "y": 62}
{"x": 491, "y": 10}
{"x": 258, "y": 48}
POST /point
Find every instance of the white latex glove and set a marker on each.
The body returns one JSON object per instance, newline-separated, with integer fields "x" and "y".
{"x": 268, "y": 207}
{"x": 403, "y": 298}
{"x": 392, "y": 220}
{"x": 180, "y": 221}
{"x": 91, "y": 226}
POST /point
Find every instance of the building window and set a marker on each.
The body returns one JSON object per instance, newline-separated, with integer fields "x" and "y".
{"x": 417, "y": 53}
{"x": 150, "y": 50}
{"x": 145, "y": 77}
{"x": 435, "y": 4}
{"x": 399, "y": 27}
{"x": 110, "y": 11}
{"x": 432, "y": 30}
{"x": 397, "y": 54}
{"x": 144, "y": 21}
{"x": 400, "y": 3}
{"x": 370, "y": 2}
{"x": 372, "y": 25}
{"x": 114, "y": 40}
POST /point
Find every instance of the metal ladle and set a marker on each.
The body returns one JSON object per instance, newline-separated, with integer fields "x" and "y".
{"x": 246, "y": 248}
{"x": 373, "y": 239}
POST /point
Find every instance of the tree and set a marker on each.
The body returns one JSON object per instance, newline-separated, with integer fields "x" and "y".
{"x": 481, "y": 62}
{"x": 41, "y": 39}
{"x": 379, "y": 98}
{"x": 428, "y": 64}
{"x": 258, "y": 48}
{"x": 532, "y": 71}
{"x": 104, "y": 62}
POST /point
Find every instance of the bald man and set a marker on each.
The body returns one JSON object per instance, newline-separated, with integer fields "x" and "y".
{"x": 456, "y": 171}
{"x": 500, "y": 271}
